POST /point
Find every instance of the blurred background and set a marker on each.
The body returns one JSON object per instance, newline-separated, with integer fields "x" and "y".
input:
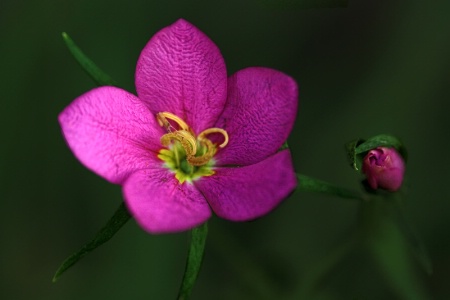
{"x": 372, "y": 67}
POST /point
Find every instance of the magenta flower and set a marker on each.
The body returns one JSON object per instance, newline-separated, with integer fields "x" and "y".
{"x": 192, "y": 141}
{"x": 384, "y": 168}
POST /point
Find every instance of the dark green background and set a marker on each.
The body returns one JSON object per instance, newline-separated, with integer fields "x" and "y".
{"x": 373, "y": 67}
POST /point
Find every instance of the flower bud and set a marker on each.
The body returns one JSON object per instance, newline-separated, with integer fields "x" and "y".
{"x": 384, "y": 168}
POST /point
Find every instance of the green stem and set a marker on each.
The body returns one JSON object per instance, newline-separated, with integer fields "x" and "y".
{"x": 194, "y": 260}
{"x": 309, "y": 184}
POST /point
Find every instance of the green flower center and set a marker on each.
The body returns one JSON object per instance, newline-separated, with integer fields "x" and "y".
{"x": 187, "y": 155}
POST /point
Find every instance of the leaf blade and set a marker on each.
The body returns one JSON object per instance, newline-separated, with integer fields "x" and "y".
{"x": 100, "y": 77}
{"x": 120, "y": 217}
{"x": 353, "y": 159}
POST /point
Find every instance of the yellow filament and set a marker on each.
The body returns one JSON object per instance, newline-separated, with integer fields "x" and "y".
{"x": 163, "y": 122}
{"x": 186, "y": 139}
{"x": 205, "y": 132}
{"x": 202, "y": 160}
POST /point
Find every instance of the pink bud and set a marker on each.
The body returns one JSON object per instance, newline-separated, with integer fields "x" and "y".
{"x": 384, "y": 168}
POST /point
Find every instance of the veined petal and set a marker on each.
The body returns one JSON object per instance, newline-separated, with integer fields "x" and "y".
{"x": 246, "y": 193}
{"x": 181, "y": 71}
{"x": 111, "y": 132}
{"x": 259, "y": 115}
{"x": 160, "y": 204}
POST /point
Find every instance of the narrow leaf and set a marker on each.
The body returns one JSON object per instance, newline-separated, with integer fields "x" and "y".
{"x": 353, "y": 159}
{"x": 100, "y": 77}
{"x": 309, "y": 184}
{"x": 120, "y": 217}
{"x": 194, "y": 260}
{"x": 284, "y": 146}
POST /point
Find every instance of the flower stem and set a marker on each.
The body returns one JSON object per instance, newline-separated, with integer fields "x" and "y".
{"x": 194, "y": 260}
{"x": 309, "y": 184}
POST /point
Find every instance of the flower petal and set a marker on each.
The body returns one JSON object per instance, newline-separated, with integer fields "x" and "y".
{"x": 111, "y": 132}
{"x": 160, "y": 204}
{"x": 181, "y": 71}
{"x": 259, "y": 115}
{"x": 246, "y": 193}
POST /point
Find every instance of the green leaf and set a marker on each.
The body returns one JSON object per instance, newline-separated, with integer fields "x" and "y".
{"x": 284, "y": 146}
{"x": 194, "y": 260}
{"x": 100, "y": 77}
{"x": 309, "y": 184}
{"x": 354, "y": 160}
{"x": 120, "y": 217}
{"x": 382, "y": 140}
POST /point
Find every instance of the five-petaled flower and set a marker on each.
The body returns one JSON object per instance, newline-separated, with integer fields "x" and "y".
{"x": 192, "y": 140}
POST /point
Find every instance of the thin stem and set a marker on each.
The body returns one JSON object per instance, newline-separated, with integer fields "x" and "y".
{"x": 194, "y": 260}
{"x": 309, "y": 184}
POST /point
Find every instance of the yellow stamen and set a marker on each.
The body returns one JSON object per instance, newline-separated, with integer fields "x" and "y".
{"x": 202, "y": 160}
{"x": 205, "y": 132}
{"x": 186, "y": 140}
{"x": 190, "y": 143}
{"x": 163, "y": 122}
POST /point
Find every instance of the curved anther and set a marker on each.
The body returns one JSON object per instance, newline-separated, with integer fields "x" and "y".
{"x": 186, "y": 140}
{"x": 163, "y": 118}
{"x": 204, "y": 133}
{"x": 203, "y": 159}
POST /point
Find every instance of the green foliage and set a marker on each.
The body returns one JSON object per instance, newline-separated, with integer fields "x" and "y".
{"x": 194, "y": 260}
{"x": 309, "y": 184}
{"x": 382, "y": 230}
{"x": 100, "y": 77}
{"x": 120, "y": 217}
{"x": 354, "y": 160}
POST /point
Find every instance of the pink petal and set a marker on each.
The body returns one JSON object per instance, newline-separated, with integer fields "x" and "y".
{"x": 259, "y": 115}
{"x": 160, "y": 204}
{"x": 246, "y": 193}
{"x": 181, "y": 71}
{"x": 111, "y": 132}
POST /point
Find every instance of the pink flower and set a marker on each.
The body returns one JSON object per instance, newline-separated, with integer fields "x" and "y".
{"x": 191, "y": 141}
{"x": 384, "y": 168}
